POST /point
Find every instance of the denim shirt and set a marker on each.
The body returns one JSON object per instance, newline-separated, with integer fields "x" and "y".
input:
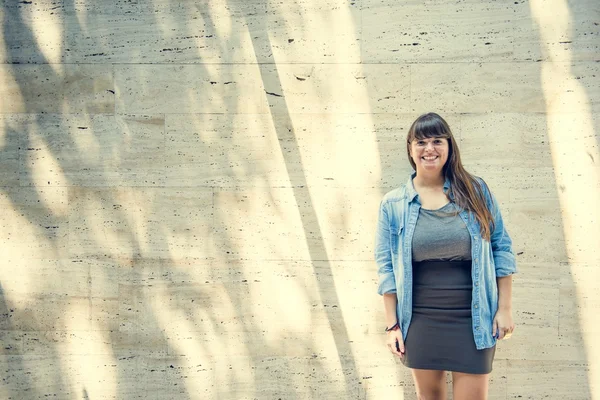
{"x": 398, "y": 215}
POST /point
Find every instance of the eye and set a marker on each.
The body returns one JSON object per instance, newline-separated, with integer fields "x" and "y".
{"x": 420, "y": 143}
{"x": 437, "y": 141}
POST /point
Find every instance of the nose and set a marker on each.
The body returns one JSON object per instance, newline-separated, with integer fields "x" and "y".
{"x": 429, "y": 146}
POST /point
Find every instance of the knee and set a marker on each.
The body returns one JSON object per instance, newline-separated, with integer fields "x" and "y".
{"x": 434, "y": 393}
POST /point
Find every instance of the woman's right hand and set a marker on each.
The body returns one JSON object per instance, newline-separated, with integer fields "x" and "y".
{"x": 395, "y": 342}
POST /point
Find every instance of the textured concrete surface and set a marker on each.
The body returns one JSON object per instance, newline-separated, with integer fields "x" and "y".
{"x": 189, "y": 190}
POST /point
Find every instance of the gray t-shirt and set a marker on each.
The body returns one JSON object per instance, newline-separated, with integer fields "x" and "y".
{"x": 441, "y": 235}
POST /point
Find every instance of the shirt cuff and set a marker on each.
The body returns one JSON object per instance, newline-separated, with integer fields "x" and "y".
{"x": 387, "y": 283}
{"x": 505, "y": 263}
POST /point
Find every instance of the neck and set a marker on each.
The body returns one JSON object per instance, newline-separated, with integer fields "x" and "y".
{"x": 429, "y": 181}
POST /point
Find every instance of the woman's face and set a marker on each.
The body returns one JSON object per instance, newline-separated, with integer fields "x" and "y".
{"x": 429, "y": 155}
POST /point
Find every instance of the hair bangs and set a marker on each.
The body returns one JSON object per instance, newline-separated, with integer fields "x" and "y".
{"x": 428, "y": 127}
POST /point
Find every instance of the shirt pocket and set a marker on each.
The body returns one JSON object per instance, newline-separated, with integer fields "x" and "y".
{"x": 396, "y": 237}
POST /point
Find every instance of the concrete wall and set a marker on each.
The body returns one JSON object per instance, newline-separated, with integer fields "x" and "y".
{"x": 189, "y": 189}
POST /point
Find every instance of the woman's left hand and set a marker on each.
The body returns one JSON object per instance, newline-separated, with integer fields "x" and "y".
{"x": 503, "y": 325}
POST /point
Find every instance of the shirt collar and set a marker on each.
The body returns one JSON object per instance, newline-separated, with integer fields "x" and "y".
{"x": 412, "y": 193}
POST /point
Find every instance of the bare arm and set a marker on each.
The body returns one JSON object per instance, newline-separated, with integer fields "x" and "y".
{"x": 505, "y": 292}
{"x": 389, "y": 302}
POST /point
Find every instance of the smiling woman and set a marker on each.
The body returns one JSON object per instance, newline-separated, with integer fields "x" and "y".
{"x": 429, "y": 153}
{"x": 445, "y": 263}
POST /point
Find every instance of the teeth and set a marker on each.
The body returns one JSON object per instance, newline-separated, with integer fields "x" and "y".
{"x": 430, "y": 158}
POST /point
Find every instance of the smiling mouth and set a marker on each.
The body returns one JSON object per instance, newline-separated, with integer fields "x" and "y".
{"x": 429, "y": 158}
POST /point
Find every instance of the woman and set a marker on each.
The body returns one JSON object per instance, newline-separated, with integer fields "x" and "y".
{"x": 445, "y": 263}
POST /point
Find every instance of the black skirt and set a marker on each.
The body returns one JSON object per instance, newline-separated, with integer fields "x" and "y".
{"x": 440, "y": 335}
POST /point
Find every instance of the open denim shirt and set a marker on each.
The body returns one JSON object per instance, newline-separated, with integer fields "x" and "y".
{"x": 398, "y": 215}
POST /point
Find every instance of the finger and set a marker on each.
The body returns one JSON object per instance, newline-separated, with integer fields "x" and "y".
{"x": 393, "y": 350}
{"x": 400, "y": 349}
{"x": 494, "y": 328}
{"x": 401, "y": 346}
{"x": 502, "y": 333}
{"x": 392, "y": 347}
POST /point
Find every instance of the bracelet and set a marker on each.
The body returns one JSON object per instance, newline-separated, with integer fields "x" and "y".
{"x": 391, "y": 328}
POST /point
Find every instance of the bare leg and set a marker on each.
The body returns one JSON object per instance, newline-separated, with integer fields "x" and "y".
{"x": 470, "y": 386}
{"x": 430, "y": 384}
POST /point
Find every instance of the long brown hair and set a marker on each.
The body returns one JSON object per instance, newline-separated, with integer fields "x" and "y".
{"x": 467, "y": 190}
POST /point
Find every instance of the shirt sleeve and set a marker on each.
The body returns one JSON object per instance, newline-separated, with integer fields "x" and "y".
{"x": 504, "y": 257}
{"x": 383, "y": 255}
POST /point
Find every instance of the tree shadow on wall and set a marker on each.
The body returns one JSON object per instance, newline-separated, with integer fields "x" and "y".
{"x": 71, "y": 319}
{"x": 117, "y": 252}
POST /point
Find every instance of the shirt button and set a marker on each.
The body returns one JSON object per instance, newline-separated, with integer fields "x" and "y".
{"x": 476, "y": 283}
{"x": 476, "y": 305}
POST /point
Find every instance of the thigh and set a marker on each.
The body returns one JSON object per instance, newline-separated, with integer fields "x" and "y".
{"x": 430, "y": 384}
{"x": 470, "y": 386}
